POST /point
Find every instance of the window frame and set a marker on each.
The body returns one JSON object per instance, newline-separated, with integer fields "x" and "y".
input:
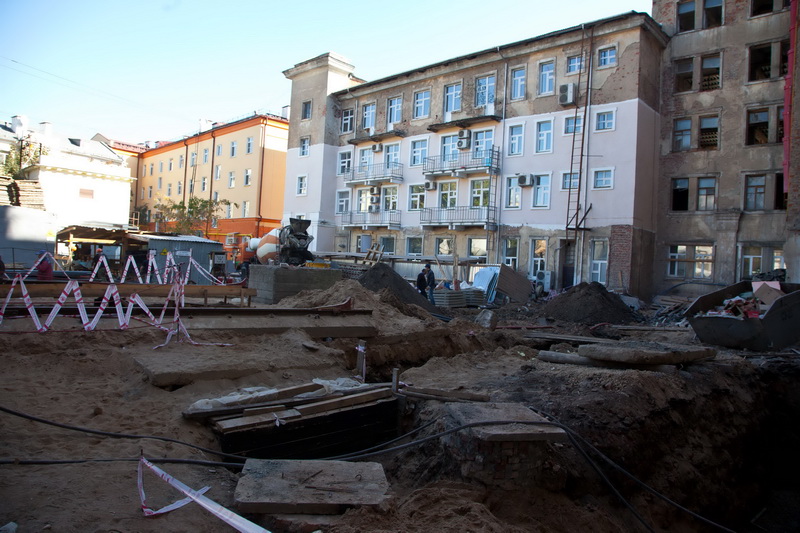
{"x": 368, "y": 115}
{"x": 348, "y": 120}
{"x": 232, "y": 179}
{"x": 452, "y": 100}
{"x": 408, "y": 245}
{"x": 538, "y": 186}
{"x": 248, "y": 177}
{"x": 516, "y": 141}
{"x": 345, "y": 158}
{"x": 306, "y": 110}
{"x": 597, "y": 120}
{"x": 518, "y": 84}
{"x": 304, "y": 147}
{"x": 546, "y": 78}
{"x": 394, "y": 110}
{"x": 682, "y": 137}
{"x": 416, "y": 194}
{"x": 581, "y": 64}
{"x": 513, "y": 193}
{"x": 485, "y": 90}
{"x": 611, "y": 179}
{"x": 422, "y": 104}
{"x": 249, "y": 144}
{"x": 545, "y": 136}
{"x": 417, "y": 154}
{"x": 607, "y": 63}
{"x": 343, "y": 198}
{"x": 301, "y": 185}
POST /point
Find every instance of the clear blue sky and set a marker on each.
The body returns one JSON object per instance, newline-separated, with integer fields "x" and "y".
{"x": 150, "y": 69}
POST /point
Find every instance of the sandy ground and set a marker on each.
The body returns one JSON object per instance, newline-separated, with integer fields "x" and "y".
{"x": 688, "y": 433}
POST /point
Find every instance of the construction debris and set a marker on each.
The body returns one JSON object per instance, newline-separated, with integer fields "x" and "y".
{"x": 589, "y": 303}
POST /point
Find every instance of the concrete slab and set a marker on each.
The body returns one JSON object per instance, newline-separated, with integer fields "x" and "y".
{"x": 646, "y": 353}
{"x": 273, "y": 283}
{"x": 468, "y": 413}
{"x": 309, "y": 487}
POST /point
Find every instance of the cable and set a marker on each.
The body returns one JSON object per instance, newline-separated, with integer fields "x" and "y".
{"x": 170, "y": 460}
{"x": 379, "y": 446}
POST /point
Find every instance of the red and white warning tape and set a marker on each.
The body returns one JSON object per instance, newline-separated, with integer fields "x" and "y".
{"x": 229, "y": 517}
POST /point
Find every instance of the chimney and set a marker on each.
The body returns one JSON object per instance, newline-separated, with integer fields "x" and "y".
{"x": 19, "y": 125}
{"x": 46, "y": 129}
{"x": 285, "y": 112}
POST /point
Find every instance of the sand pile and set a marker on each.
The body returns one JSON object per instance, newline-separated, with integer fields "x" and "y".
{"x": 589, "y": 303}
{"x": 382, "y": 276}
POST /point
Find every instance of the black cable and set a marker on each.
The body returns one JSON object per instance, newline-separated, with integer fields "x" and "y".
{"x": 165, "y": 460}
{"x": 379, "y": 446}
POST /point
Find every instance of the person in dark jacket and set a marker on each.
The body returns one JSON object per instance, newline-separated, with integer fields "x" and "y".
{"x": 422, "y": 284}
{"x": 44, "y": 268}
{"x": 430, "y": 279}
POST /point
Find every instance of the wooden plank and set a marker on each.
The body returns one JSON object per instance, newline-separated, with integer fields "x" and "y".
{"x": 459, "y": 395}
{"x": 560, "y": 337}
{"x": 263, "y": 410}
{"x": 251, "y": 422}
{"x": 345, "y": 401}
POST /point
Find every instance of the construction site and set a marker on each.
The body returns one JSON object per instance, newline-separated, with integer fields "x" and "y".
{"x": 340, "y": 399}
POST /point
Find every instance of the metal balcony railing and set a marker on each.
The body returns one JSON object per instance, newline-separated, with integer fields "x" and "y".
{"x": 487, "y": 160}
{"x": 375, "y": 217}
{"x": 460, "y": 215}
{"x": 375, "y": 173}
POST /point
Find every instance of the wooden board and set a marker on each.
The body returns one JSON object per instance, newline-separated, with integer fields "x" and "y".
{"x": 568, "y": 338}
{"x": 345, "y": 401}
{"x": 249, "y": 422}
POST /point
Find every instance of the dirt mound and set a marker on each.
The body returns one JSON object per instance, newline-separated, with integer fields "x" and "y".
{"x": 589, "y": 303}
{"x": 382, "y": 276}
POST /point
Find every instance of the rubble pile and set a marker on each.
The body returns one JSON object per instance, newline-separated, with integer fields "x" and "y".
{"x": 589, "y": 303}
{"x": 749, "y": 304}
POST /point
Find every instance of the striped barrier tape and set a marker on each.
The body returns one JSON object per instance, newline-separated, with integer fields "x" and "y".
{"x": 229, "y": 517}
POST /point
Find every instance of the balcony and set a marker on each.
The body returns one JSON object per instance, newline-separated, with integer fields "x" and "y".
{"x": 374, "y": 218}
{"x": 462, "y": 163}
{"x": 456, "y": 218}
{"x": 374, "y": 174}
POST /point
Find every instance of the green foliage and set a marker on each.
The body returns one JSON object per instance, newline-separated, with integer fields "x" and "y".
{"x": 189, "y": 218}
{"x": 24, "y": 154}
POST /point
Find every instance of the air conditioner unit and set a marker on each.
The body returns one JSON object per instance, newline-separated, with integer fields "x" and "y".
{"x": 463, "y": 144}
{"x": 374, "y": 191}
{"x": 526, "y": 180}
{"x": 374, "y": 199}
{"x": 464, "y": 134}
{"x": 374, "y": 208}
{"x": 545, "y": 277}
{"x": 377, "y": 147}
{"x": 430, "y": 185}
{"x": 566, "y": 94}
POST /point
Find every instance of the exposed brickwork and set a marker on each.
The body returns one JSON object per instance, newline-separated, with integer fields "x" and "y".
{"x": 620, "y": 252}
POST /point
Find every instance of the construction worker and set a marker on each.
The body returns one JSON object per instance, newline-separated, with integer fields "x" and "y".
{"x": 430, "y": 279}
{"x": 44, "y": 268}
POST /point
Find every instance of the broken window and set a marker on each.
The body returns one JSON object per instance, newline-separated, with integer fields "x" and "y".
{"x": 784, "y": 58}
{"x": 703, "y": 262}
{"x": 706, "y": 194}
{"x": 754, "y": 192}
{"x": 760, "y": 7}
{"x": 444, "y": 246}
{"x": 757, "y": 126}
{"x": 781, "y": 196}
{"x": 684, "y": 69}
{"x": 676, "y": 267}
{"x": 685, "y": 16}
{"x": 709, "y": 133}
{"x": 760, "y": 62}
{"x": 680, "y": 194}
{"x": 538, "y": 256}
{"x": 682, "y": 135}
{"x": 712, "y": 13}
{"x": 710, "y": 73}
{"x": 780, "y": 125}
{"x": 751, "y": 261}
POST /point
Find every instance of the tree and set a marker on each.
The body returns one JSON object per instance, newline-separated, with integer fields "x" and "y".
{"x": 24, "y": 154}
{"x": 190, "y": 218}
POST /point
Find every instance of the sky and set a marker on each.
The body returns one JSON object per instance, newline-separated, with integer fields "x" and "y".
{"x": 152, "y": 69}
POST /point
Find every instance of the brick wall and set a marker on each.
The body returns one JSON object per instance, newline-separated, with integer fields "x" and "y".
{"x": 620, "y": 253}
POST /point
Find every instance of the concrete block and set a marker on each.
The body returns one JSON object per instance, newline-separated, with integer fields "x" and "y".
{"x": 273, "y": 283}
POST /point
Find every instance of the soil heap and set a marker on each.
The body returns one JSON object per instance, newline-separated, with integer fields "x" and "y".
{"x": 589, "y": 303}
{"x": 382, "y": 276}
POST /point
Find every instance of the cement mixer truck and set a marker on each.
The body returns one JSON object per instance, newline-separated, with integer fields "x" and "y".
{"x": 288, "y": 244}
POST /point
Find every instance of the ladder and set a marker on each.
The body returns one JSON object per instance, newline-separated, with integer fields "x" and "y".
{"x": 374, "y": 254}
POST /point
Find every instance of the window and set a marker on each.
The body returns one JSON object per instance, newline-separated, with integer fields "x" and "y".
{"x": 541, "y": 190}
{"x": 179, "y": 188}
{"x": 448, "y": 193}
{"x": 422, "y": 104}
{"x": 452, "y": 98}
{"x": 781, "y": 196}
{"x": 513, "y": 192}
{"x": 141, "y": 194}
{"x": 751, "y": 261}
{"x": 712, "y": 13}
{"x": 217, "y": 171}
{"x": 709, "y": 133}
{"x": 706, "y": 194}
{"x": 482, "y": 142}
{"x": 511, "y": 251}
{"x": 419, "y": 151}
{"x": 191, "y": 186}
{"x": 684, "y": 70}
{"x": 685, "y": 16}
{"x": 390, "y": 198}
{"x": 160, "y": 182}
{"x": 180, "y": 161}
{"x": 779, "y": 133}
{"x": 484, "y": 91}
{"x": 682, "y": 134}
{"x": 676, "y": 264}
{"x": 362, "y": 200}
{"x": 479, "y": 193}
{"x": 219, "y": 150}
{"x": 477, "y": 246}
{"x": 444, "y": 246}
{"x": 754, "y": 192}
{"x": 538, "y": 255}
{"x": 547, "y": 77}
{"x": 450, "y": 148}
{"x": 151, "y": 168}
{"x": 229, "y": 211}
{"x": 413, "y": 245}
{"x": 368, "y": 116}
{"x": 364, "y": 159}
{"x": 391, "y": 156}
{"x": 703, "y": 262}
{"x": 680, "y": 194}
{"x": 193, "y": 159}
{"x": 777, "y": 259}
{"x": 302, "y": 186}
{"x": 757, "y": 126}
{"x": 388, "y": 244}
{"x": 544, "y": 137}
{"x": 416, "y": 197}
{"x": 345, "y": 163}
{"x": 764, "y": 7}
{"x": 603, "y": 179}
{"x": 204, "y": 184}
{"x": 305, "y": 110}
{"x": 216, "y": 196}
{"x": 607, "y": 57}
{"x": 515, "y": 140}
{"x": 248, "y": 173}
{"x": 573, "y": 124}
{"x": 245, "y": 209}
{"x": 599, "y": 261}
{"x": 170, "y": 165}
{"x": 605, "y": 121}
{"x": 574, "y": 64}
{"x": 517, "y": 84}
{"x": 231, "y": 179}
{"x": 205, "y": 155}
{"x": 305, "y": 142}
{"x": 710, "y": 76}
{"x": 169, "y": 189}
{"x": 347, "y": 121}
{"x": 394, "y": 110}
{"x": 760, "y": 62}
{"x": 342, "y": 202}
{"x": 569, "y": 180}
{"x": 234, "y": 145}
